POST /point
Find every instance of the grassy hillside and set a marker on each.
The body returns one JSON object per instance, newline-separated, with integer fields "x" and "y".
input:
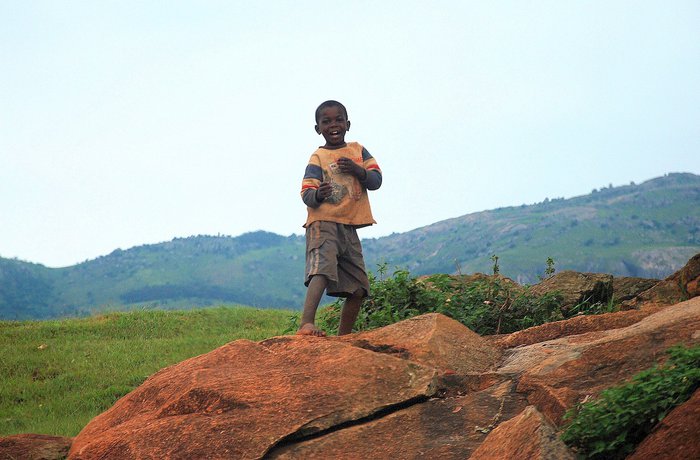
{"x": 57, "y": 375}
{"x": 258, "y": 269}
{"x": 646, "y": 230}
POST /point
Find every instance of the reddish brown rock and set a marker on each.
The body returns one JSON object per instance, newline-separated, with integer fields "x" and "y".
{"x": 689, "y": 277}
{"x": 34, "y": 447}
{"x": 558, "y": 373}
{"x": 423, "y": 388}
{"x": 528, "y": 436}
{"x": 576, "y": 288}
{"x": 572, "y": 326}
{"x": 445, "y": 429}
{"x": 676, "y": 437}
{"x": 682, "y": 285}
{"x": 434, "y": 340}
{"x": 243, "y": 398}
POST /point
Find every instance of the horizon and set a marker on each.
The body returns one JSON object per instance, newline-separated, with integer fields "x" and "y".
{"x": 220, "y": 235}
{"x": 126, "y": 123}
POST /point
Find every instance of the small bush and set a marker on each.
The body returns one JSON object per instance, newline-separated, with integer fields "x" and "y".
{"x": 611, "y": 426}
{"x": 487, "y": 306}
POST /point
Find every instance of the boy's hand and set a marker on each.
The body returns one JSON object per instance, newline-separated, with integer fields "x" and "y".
{"x": 324, "y": 191}
{"x": 347, "y": 166}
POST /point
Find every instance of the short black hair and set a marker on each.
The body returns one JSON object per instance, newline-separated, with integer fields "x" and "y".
{"x": 330, "y": 104}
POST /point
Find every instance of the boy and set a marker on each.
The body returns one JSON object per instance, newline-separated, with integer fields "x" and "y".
{"x": 335, "y": 192}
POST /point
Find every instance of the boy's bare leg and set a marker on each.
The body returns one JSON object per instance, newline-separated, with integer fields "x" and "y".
{"x": 348, "y": 315}
{"x": 314, "y": 292}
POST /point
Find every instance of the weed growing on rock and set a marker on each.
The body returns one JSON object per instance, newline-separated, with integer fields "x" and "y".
{"x": 595, "y": 308}
{"x": 612, "y": 425}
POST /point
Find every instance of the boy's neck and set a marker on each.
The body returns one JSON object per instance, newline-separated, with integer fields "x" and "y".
{"x": 334, "y": 147}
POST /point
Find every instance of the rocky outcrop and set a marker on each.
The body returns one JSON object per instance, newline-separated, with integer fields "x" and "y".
{"x": 577, "y": 288}
{"x": 529, "y": 435}
{"x": 676, "y": 436}
{"x": 433, "y": 340}
{"x": 627, "y": 288}
{"x": 557, "y": 374}
{"x": 427, "y": 387}
{"x": 444, "y": 428}
{"x": 684, "y": 284}
{"x": 573, "y": 326}
{"x": 244, "y": 398}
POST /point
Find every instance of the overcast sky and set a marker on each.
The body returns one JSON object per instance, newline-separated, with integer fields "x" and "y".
{"x": 133, "y": 122}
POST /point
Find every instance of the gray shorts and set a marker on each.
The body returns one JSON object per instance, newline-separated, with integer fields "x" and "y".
{"x": 334, "y": 250}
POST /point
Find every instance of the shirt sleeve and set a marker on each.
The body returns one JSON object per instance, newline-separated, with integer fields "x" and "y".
{"x": 374, "y": 174}
{"x": 313, "y": 176}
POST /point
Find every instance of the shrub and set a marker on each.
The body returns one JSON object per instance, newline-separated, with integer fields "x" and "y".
{"x": 611, "y": 426}
{"x": 487, "y": 306}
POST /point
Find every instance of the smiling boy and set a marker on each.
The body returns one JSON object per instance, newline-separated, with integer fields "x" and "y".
{"x": 335, "y": 192}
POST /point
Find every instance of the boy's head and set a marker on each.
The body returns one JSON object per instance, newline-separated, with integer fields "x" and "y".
{"x": 332, "y": 122}
{"x": 326, "y": 104}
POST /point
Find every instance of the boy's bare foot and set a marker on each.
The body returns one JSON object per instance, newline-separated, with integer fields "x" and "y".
{"x": 310, "y": 329}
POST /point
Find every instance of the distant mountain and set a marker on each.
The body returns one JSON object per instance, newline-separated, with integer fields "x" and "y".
{"x": 645, "y": 230}
{"x": 258, "y": 269}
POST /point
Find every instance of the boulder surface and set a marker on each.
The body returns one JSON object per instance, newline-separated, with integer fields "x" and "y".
{"x": 427, "y": 387}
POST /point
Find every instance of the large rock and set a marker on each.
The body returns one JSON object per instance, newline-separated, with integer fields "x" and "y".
{"x": 449, "y": 428}
{"x": 627, "y": 287}
{"x": 682, "y": 285}
{"x": 577, "y": 288}
{"x": 243, "y": 398}
{"x": 34, "y": 447}
{"x": 572, "y": 326}
{"x": 676, "y": 437}
{"x": 559, "y": 373}
{"x": 424, "y": 388}
{"x": 528, "y": 436}
{"x": 433, "y": 340}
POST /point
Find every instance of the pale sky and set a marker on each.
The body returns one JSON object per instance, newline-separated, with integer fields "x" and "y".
{"x": 125, "y": 123}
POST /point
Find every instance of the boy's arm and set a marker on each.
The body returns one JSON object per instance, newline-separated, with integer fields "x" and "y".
{"x": 368, "y": 173}
{"x": 373, "y": 178}
{"x": 313, "y": 191}
{"x": 313, "y": 197}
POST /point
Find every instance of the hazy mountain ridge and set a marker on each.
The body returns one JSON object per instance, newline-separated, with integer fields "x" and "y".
{"x": 646, "y": 230}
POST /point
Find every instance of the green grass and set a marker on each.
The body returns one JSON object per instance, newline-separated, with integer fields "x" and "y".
{"x": 57, "y": 375}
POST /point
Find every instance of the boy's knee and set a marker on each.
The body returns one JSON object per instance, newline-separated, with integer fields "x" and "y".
{"x": 360, "y": 293}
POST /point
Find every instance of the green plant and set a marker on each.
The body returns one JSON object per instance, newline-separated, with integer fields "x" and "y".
{"x": 494, "y": 305}
{"x": 488, "y": 305}
{"x": 393, "y": 299}
{"x": 611, "y": 426}
{"x": 549, "y": 270}
{"x": 595, "y": 308}
{"x": 496, "y": 269}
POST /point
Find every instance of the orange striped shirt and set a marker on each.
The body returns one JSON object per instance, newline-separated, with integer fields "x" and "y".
{"x": 349, "y": 202}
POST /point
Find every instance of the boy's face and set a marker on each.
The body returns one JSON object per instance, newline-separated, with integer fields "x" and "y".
{"x": 333, "y": 124}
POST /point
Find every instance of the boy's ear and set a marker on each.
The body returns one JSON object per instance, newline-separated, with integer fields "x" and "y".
{"x": 348, "y": 127}
{"x": 318, "y": 130}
